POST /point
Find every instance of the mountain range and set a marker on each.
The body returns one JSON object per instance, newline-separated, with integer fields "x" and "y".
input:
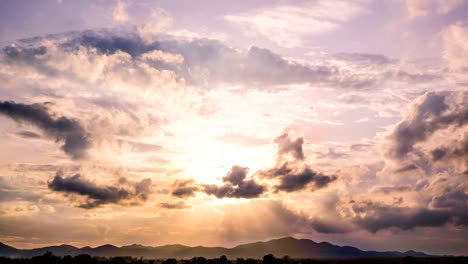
{"x": 288, "y": 246}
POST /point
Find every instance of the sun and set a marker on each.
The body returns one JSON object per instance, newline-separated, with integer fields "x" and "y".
{"x": 210, "y": 161}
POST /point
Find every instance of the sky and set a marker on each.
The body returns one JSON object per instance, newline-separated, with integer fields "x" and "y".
{"x": 218, "y": 123}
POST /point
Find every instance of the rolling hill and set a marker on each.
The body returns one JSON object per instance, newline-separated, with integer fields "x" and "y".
{"x": 296, "y": 248}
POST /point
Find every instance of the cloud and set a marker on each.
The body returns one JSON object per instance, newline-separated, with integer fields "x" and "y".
{"x": 119, "y": 13}
{"x": 126, "y": 58}
{"x": 455, "y": 54}
{"x": 287, "y": 146}
{"x": 236, "y": 175}
{"x": 164, "y": 57}
{"x": 406, "y": 168}
{"x": 421, "y": 8}
{"x": 27, "y": 134}
{"x": 427, "y": 114}
{"x": 384, "y": 217}
{"x": 458, "y": 149}
{"x": 374, "y": 217}
{"x": 236, "y": 185}
{"x": 158, "y": 20}
{"x": 176, "y": 205}
{"x": 133, "y": 193}
{"x": 291, "y": 171}
{"x": 290, "y": 25}
{"x": 453, "y": 199}
{"x": 417, "y": 8}
{"x": 70, "y": 131}
{"x": 391, "y": 189}
{"x": 456, "y": 152}
{"x": 11, "y": 192}
{"x": 184, "y": 188}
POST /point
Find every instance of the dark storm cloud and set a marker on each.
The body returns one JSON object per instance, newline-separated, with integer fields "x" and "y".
{"x": 291, "y": 171}
{"x": 70, "y": 131}
{"x": 375, "y": 216}
{"x": 236, "y": 175}
{"x": 176, "y": 205}
{"x": 184, "y": 188}
{"x": 294, "y": 177}
{"x": 328, "y": 227}
{"x": 236, "y": 185}
{"x": 131, "y": 193}
{"x": 454, "y": 198}
{"x": 246, "y": 189}
{"x": 428, "y": 114}
{"x": 456, "y": 150}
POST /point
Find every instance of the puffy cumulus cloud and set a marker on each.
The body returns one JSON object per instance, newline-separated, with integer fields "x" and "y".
{"x": 119, "y": 12}
{"x": 289, "y": 25}
{"x": 124, "y": 59}
{"x": 125, "y": 90}
{"x": 184, "y": 188}
{"x": 129, "y": 193}
{"x": 433, "y": 201}
{"x": 377, "y": 216}
{"x": 76, "y": 140}
{"x": 426, "y": 115}
{"x": 78, "y": 63}
{"x": 291, "y": 171}
{"x": 236, "y": 185}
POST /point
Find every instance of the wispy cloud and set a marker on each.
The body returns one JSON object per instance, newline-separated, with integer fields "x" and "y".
{"x": 290, "y": 25}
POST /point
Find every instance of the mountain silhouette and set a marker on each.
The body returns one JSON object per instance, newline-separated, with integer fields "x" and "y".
{"x": 288, "y": 246}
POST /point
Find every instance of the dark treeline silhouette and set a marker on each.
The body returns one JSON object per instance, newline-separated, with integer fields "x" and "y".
{"x": 49, "y": 258}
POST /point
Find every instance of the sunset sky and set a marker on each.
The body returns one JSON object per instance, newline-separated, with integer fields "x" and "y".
{"x": 218, "y": 123}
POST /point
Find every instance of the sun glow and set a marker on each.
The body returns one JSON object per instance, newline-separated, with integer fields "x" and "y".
{"x": 210, "y": 161}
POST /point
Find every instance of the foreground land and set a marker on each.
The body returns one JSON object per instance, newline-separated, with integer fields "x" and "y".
{"x": 288, "y": 246}
{"x": 49, "y": 258}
